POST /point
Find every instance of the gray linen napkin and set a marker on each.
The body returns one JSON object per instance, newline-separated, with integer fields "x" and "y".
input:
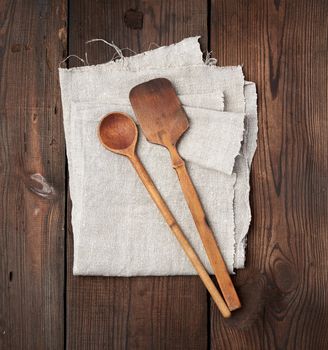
{"x": 117, "y": 229}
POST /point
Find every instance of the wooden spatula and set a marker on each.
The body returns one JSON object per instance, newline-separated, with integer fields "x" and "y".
{"x": 163, "y": 121}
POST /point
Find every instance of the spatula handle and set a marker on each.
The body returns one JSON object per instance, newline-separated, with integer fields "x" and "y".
{"x": 175, "y": 228}
{"x": 206, "y": 234}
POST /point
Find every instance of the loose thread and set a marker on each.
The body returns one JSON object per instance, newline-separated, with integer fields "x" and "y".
{"x": 118, "y": 52}
{"x": 86, "y": 58}
{"x": 116, "y": 48}
{"x": 152, "y": 44}
{"x": 69, "y": 56}
{"x": 210, "y": 61}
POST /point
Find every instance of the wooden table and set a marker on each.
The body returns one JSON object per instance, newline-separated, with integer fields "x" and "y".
{"x": 283, "y": 48}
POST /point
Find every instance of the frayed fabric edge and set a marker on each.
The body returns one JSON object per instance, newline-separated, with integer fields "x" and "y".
{"x": 119, "y": 56}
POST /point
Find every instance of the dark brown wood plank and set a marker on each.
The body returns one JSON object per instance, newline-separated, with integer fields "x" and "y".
{"x": 32, "y": 178}
{"x": 141, "y": 312}
{"x": 283, "y": 46}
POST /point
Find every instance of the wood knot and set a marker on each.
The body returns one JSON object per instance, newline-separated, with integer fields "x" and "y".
{"x": 16, "y": 48}
{"x": 39, "y": 185}
{"x": 62, "y": 34}
{"x": 284, "y": 275}
{"x": 133, "y": 19}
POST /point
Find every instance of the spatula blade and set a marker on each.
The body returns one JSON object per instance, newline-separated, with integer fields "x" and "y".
{"x": 159, "y": 111}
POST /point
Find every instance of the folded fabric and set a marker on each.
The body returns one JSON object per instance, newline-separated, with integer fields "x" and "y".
{"x": 116, "y": 172}
{"x": 242, "y": 167}
{"x": 117, "y": 229}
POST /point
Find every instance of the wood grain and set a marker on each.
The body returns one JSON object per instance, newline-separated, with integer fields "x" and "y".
{"x": 283, "y": 47}
{"x": 147, "y": 312}
{"x": 32, "y": 178}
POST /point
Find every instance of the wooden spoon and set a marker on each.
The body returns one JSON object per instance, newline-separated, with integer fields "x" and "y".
{"x": 118, "y": 133}
{"x": 163, "y": 121}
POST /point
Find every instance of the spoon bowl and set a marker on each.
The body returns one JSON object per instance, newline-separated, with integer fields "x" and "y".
{"x": 118, "y": 133}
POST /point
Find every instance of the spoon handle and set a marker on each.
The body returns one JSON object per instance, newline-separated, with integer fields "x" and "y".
{"x": 175, "y": 228}
{"x": 206, "y": 234}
